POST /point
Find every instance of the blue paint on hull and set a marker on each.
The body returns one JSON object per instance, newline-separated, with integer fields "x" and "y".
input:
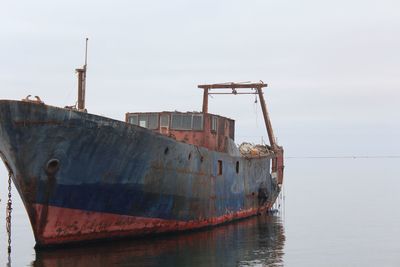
{"x": 114, "y": 167}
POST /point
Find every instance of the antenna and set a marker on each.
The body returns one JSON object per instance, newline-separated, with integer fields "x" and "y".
{"x": 82, "y": 81}
{"x": 87, "y": 39}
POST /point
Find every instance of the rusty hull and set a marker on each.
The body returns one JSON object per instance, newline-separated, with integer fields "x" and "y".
{"x": 84, "y": 177}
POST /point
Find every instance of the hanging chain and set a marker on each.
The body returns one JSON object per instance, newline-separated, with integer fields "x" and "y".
{"x": 8, "y": 213}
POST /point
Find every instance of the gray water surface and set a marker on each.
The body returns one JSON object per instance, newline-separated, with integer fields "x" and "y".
{"x": 338, "y": 212}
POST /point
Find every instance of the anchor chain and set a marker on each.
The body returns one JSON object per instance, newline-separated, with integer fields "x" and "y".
{"x": 8, "y": 213}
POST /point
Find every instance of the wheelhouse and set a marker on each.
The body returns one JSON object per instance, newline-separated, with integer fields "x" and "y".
{"x": 201, "y": 129}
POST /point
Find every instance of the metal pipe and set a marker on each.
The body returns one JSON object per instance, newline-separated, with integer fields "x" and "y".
{"x": 81, "y": 88}
{"x": 81, "y": 100}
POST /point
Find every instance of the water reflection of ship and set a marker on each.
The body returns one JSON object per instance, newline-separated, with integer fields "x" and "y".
{"x": 255, "y": 241}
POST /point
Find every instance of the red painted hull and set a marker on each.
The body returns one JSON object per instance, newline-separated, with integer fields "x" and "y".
{"x": 84, "y": 177}
{"x": 65, "y": 225}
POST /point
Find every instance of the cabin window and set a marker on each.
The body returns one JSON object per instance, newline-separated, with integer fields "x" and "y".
{"x": 149, "y": 121}
{"x": 219, "y": 167}
{"x": 143, "y": 120}
{"x": 180, "y": 121}
{"x": 164, "y": 120}
{"x": 143, "y": 124}
{"x": 187, "y": 122}
{"x": 214, "y": 123}
{"x": 197, "y": 122}
{"x": 153, "y": 121}
{"x": 133, "y": 119}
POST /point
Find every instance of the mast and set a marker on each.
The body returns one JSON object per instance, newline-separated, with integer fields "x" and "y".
{"x": 82, "y": 82}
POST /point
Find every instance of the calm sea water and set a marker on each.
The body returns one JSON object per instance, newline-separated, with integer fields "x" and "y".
{"x": 338, "y": 212}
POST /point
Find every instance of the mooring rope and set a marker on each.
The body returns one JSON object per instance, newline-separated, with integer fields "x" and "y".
{"x": 8, "y": 213}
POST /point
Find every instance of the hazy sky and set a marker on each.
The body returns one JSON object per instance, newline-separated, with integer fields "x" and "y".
{"x": 333, "y": 66}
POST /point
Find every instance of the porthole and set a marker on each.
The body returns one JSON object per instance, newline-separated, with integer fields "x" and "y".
{"x": 52, "y": 166}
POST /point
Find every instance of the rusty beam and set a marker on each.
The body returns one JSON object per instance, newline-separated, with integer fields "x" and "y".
{"x": 267, "y": 121}
{"x": 235, "y": 93}
{"x": 232, "y": 85}
{"x": 205, "y": 101}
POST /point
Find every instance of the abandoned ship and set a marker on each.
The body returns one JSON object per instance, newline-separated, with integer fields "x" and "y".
{"x": 84, "y": 177}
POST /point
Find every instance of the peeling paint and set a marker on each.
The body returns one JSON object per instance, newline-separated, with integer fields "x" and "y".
{"x": 115, "y": 179}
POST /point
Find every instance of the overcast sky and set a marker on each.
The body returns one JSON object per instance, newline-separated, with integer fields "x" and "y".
{"x": 332, "y": 66}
